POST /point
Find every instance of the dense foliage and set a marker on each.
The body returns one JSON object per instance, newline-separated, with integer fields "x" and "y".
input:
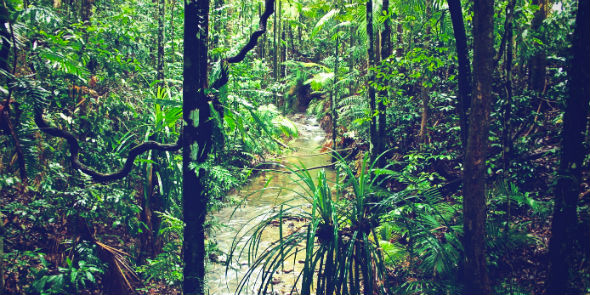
{"x": 111, "y": 73}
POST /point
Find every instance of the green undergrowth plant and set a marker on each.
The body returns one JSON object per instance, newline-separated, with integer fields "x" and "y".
{"x": 338, "y": 241}
{"x": 80, "y": 271}
{"x": 422, "y": 228}
{"x": 166, "y": 267}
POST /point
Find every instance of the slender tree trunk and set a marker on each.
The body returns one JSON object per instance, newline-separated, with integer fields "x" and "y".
{"x": 371, "y": 79}
{"x": 86, "y": 11}
{"x": 400, "y": 32}
{"x": 217, "y": 28}
{"x": 386, "y": 51}
{"x": 424, "y": 91}
{"x": 564, "y": 227}
{"x": 161, "y": 42}
{"x": 334, "y": 102}
{"x": 464, "y": 97}
{"x": 173, "y": 55}
{"x": 6, "y": 36}
{"x": 196, "y": 143}
{"x": 538, "y": 63}
{"x": 351, "y": 59}
{"x": 474, "y": 191}
{"x": 275, "y": 28}
{"x": 507, "y": 138}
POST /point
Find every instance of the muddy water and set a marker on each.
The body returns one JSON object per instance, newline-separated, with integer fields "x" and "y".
{"x": 259, "y": 202}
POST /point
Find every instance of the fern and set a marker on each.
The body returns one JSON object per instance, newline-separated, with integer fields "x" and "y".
{"x": 352, "y": 108}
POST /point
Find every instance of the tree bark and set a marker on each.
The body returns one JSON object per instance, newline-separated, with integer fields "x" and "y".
{"x": 507, "y": 126}
{"x": 196, "y": 143}
{"x": 386, "y": 51}
{"x": 334, "y": 102}
{"x": 464, "y": 95}
{"x": 160, "y": 58}
{"x": 371, "y": 79}
{"x": 400, "y": 32}
{"x": 538, "y": 62}
{"x": 474, "y": 192}
{"x": 564, "y": 227}
{"x": 424, "y": 90}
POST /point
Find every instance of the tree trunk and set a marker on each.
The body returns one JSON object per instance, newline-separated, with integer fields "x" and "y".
{"x": 334, "y": 102}
{"x": 351, "y": 60}
{"x": 86, "y": 11}
{"x": 196, "y": 143}
{"x": 371, "y": 79}
{"x": 173, "y": 55}
{"x": 386, "y": 51}
{"x": 474, "y": 192}
{"x": 160, "y": 58}
{"x": 424, "y": 91}
{"x": 275, "y": 28}
{"x": 564, "y": 227}
{"x": 464, "y": 97}
{"x": 400, "y": 31}
{"x": 507, "y": 126}
{"x": 538, "y": 62}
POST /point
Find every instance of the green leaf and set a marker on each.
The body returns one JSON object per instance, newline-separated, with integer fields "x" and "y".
{"x": 320, "y": 24}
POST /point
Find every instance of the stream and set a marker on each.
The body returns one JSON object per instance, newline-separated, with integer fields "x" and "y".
{"x": 307, "y": 152}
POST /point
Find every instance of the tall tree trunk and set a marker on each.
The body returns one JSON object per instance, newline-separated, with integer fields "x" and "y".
{"x": 161, "y": 42}
{"x": 217, "y": 27}
{"x": 424, "y": 91}
{"x": 474, "y": 191}
{"x": 86, "y": 11}
{"x": 371, "y": 79}
{"x": 464, "y": 97}
{"x": 538, "y": 63}
{"x": 400, "y": 32}
{"x": 351, "y": 59}
{"x": 172, "y": 36}
{"x": 564, "y": 227}
{"x": 386, "y": 51}
{"x": 507, "y": 127}
{"x": 196, "y": 143}
{"x": 275, "y": 28}
{"x": 334, "y": 101}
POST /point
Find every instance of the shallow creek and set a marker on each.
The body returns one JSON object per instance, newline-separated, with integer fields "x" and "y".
{"x": 259, "y": 202}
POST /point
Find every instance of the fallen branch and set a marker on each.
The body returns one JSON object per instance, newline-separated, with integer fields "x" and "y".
{"x": 296, "y": 170}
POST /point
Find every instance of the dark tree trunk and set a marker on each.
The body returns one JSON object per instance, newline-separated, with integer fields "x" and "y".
{"x": 386, "y": 51}
{"x": 474, "y": 191}
{"x": 464, "y": 97}
{"x": 5, "y": 109}
{"x": 424, "y": 90}
{"x": 160, "y": 58}
{"x": 507, "y": 126}
{"x": 371, "y": 79}
{"x": 538, "y": 63}
{"x": 172, "y": 32}
{"x": 351, "y": 59}
{"x": 564, "y": 227}
{"x": 86, "y": 11}
{"x": 334, "y": 102}
{"x": 196, "y": 144}
{"x": 275, "y": 28}
{"x": 400, "y": 32}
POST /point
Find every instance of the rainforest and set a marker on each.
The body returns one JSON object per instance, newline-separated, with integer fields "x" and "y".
{"x": 294, "y": 147}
